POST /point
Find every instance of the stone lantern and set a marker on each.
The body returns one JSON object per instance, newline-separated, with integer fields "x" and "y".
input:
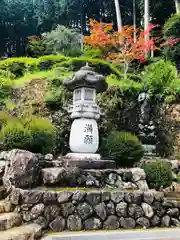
{"x": 84, "y": 135}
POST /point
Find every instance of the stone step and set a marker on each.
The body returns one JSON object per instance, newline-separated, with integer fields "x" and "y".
{"x": 5, "y": 206}
{"x": 9, "y": 220}
{"x": 25, "y": 232}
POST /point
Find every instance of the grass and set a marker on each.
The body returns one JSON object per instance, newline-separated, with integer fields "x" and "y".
{"x": 29, "y": 76}
{"x": 83, "y": 189}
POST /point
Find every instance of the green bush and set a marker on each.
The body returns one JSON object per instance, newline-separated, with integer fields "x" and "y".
{"x": 158, "y": 174}
{"x": 15, "y": 135}
{"x": 62, "y": 40}
{"x": 159, "y": 76}
{"x": 43, "y": 134}
{"x": 172, "y": 26}
{"x": 172, "y": 30}
{"x": 36, "y": 134}
{"x": 123, "y": 147}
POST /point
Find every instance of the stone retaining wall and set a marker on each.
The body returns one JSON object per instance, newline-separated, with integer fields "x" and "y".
{"x": 134, "y": 178}
{"x": 78, "y": 210}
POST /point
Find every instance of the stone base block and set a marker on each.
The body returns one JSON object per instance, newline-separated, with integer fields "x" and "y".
{"x": 88, "y": 163}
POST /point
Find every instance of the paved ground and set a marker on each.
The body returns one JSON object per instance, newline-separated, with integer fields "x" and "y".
{"x": 161, "y": 234}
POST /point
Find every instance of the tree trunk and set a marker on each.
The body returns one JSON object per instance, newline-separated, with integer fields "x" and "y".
{"x": 146, "y": 22}
{"x": 177, "y": 4}
{"x": 118, "y": 15}
{"x": 134, "y": 20}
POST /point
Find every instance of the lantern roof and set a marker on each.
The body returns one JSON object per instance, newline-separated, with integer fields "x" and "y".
{"x": 86, "y": 77}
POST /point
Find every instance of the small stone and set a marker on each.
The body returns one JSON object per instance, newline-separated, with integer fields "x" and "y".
{"x": 81, "y": 180}
{"x": 119, "y": 183}
{"x": 175, "y": 222}
{"x": 78, "y": 196}
{"x": 74, "y": 223}
{"x": 138, "y": 174}
{"x": 155, "y": 221}
{"x": 135, "y": 211}
{"x": 58, "y": 224}
{"x": 117, "y": 197}
{"x": 121, "y": 209}
{"x": 64, "y": 196}
{"x": 92, "y": 181}
{"x": 147, "y": 210}
{"x": 31, "y": 196}
{"x": 159, "y": 196}
{"x": 67, "y": 209}
{"x": 142, "y": 185}
{"x": 111, "y": 179}
{"x": 51, "y": 212}
{"x": 93, "y": 224}
{"x": 48, "y": 157}
{"x": 100, "y": 210}
{"x": 85, "y": 210}
{"x": 52, "y": 176}
{"x": 165, "y": 221}
{"x": 111, "y": 223}
{"x": 26, "y": 207}
{"x": 169, "y": 204}
{"x": 143, "y": 222}
{"x": 105, "y": 196}
{"x": 110, "y": 208}
{"x": 3, "y": 155}
{"x": 26, "y": 217}
{"x": 127, "y": 223}
{"x": 49, "y": 197}
{"x": 173, "y": 212}
{"x": 37, "y": 210}
{"x": 129, "y": 186}
{"x": 128, "y": 196}
{"x": 149, "y": 197}
{"x": 127, "y": 176}
{"x": 93, "y": 198}
{"x": 14, "y": 196}
{"x": 42, "y": 221}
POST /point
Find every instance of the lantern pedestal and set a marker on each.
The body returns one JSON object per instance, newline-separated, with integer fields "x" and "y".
{"x": 84, "y": 136}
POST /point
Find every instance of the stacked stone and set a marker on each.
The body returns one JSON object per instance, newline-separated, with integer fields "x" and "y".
{"x": 74, "y": 211}
{"x": 134, "y": 178}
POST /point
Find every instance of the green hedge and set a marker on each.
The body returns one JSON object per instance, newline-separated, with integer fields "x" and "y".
{"x": 100, "y": 66}
{"x": 20, "y": 66}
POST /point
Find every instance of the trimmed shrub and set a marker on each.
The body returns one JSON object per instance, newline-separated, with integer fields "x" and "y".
{"x": 123, "y": 147}
{"x": 43, "y": 134}
{"x": 158, "y": 174}
{"x": 99, "y": 66}
{"x": 15, "y": 135}
{"x": 18, "y": 66}
{"x": 37, "y": 135}
{"x": 47, "y": 62}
